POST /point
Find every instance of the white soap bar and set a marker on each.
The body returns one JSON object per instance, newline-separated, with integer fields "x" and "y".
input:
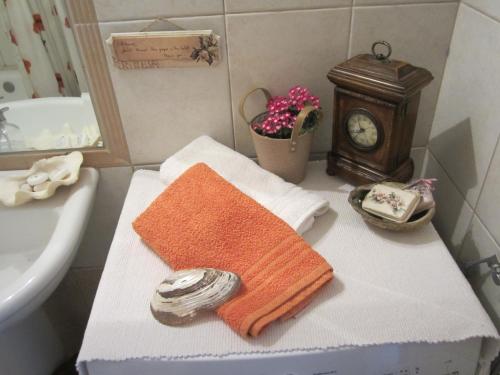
{"x": 59, "y": 174}
{"x": 37, "y": 178}
{"x": 42, "y": 186}
{"x": 391, "y": 203}
{"x": 26, "y": 187}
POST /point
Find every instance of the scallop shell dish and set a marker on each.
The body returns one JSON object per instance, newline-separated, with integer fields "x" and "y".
{"x": 182, "y": 295}
{"x": 42, "y": 180}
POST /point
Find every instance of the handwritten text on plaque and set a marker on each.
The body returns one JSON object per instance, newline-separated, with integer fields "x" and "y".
{"x": 164, "y": 49}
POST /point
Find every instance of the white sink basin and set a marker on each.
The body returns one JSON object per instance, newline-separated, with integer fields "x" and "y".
{"x": 38, "y": 242}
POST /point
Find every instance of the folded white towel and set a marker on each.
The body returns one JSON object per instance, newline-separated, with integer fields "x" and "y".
{"x": 289, "y": 202}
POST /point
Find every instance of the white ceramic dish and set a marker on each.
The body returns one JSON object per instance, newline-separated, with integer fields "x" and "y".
{"x": 63, "y": 170}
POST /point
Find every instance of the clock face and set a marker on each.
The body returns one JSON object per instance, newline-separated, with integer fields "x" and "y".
{"x": 362, "y": 131}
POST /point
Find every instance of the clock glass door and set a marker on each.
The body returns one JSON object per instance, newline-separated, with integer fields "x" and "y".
{"x": 362, "y": 130}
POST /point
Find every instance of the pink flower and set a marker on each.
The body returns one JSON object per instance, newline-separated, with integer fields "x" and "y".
{"x": 282, "y": 112}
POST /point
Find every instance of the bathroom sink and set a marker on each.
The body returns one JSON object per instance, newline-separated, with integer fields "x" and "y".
{"x": 38, "y": 242}
{"x": 52, "y": 123}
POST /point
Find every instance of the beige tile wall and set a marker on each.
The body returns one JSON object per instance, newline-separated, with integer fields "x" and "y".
{"x": 164, "y": 109}
{"x": 275, "y": 43}
{"x": 463, "y": 148}
{"x": 419, "y": 33}
{"x": 268, "y": 50}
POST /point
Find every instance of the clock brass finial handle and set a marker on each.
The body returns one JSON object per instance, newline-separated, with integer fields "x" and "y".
{"x": 381, "y": 56}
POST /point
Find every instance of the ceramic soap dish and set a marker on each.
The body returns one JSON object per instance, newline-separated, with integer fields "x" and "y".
{"x": 42, "y": 180}
{"x": 416, "y": 221}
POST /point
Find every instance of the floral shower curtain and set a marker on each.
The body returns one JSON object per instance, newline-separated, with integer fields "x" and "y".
{"x": 36, "y": 32}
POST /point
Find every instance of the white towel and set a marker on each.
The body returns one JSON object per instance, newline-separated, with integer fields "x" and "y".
{"x": 292, "y": 204}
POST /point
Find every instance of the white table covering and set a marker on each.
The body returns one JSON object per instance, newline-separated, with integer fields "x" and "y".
{"x": 388, "y": 288}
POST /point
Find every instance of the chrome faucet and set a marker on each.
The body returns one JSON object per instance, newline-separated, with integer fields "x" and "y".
{"x": 4, "y": 136}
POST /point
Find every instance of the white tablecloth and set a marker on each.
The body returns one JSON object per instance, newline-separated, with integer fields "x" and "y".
{"x": 388, "y": 288}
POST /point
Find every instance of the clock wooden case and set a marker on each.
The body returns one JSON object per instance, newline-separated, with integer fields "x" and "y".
{"x": 375, "y": 110}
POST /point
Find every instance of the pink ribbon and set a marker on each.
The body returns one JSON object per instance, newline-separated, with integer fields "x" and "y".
{"x": 426, "y": 183}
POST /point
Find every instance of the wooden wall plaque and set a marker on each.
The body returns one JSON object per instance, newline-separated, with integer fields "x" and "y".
{"x": 164, "y": 49}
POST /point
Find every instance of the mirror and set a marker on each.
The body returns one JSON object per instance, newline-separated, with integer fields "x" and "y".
{"x": 44, "y": 95}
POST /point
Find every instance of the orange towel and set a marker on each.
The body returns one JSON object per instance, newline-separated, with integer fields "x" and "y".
{"x": 201, "y": 220}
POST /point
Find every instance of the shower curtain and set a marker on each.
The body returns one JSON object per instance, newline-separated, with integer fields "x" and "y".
{"x": 34, "y": 37}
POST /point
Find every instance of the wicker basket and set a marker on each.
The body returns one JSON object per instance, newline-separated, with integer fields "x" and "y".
{"x": 418, "y": 220}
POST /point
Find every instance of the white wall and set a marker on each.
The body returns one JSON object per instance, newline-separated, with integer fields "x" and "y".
{"x": 463, "y": 148}
{"x": 276, "y": 44}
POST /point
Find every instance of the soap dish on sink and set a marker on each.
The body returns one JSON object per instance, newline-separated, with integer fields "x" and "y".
{"x": 42, "y": 180}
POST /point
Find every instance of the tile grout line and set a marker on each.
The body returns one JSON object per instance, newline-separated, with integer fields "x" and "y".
{"x": 475, "y": 215}
{"x": 233, "y": 130}
{"x": 487, "y": 172}
{"x": 314, "y": 156}
{"x": 225, "y": 13}
{"x": 160, "y": 16}
{"x": 231, "y": 112}
{"x": 429, "y": 2}
{"x": 349, "y": 37}
{"x": 290, "y": 10}
{"x": 449, "y": 177}
{"x": 459, "y": 248}
{"x": 444, "y": 72}
{"x": 481, "y": 12}
{"x": 487, "y": 229}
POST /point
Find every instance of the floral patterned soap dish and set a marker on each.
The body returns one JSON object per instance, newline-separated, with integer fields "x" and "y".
{"x": 417, "y": 220}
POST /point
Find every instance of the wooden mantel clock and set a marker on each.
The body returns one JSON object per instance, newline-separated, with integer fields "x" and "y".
{"x": 375, "y": 110}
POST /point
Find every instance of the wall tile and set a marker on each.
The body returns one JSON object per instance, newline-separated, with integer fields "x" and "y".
{"x": 241, "y": 6}
{"x": 418, "y": 156}
{"x": 489, "y": 7}
{"x": 395, "y": 2}
{"x": 419, "y": 34}
{"x": 270, "y": 50}
{"x": 110, "y": 195}
{"x": 164, "y": 109}
{"x": 68, "y": 308}
{"x": 453, "y": 214}
{"x": 119, "y": 10}
{"x": 467, "y": 112}
{"x": 478, "y": 243}
{"x": 488, "y": 207}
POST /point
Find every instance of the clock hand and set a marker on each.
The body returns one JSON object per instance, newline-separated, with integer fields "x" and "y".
{"x": 359, "y": 130}
{"x": 362, "y": 129}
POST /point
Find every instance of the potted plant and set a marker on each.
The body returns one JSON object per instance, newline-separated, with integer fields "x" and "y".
{"x": 282, "y": 135}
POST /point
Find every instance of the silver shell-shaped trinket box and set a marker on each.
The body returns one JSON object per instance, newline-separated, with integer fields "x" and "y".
{"x": 183, "y": 294}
